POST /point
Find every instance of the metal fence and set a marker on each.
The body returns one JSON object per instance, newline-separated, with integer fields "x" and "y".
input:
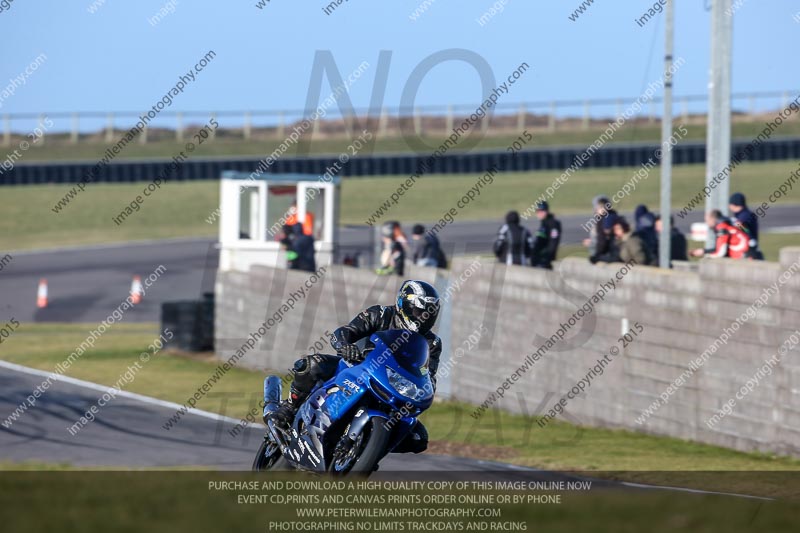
{"x": 92, "y": 126}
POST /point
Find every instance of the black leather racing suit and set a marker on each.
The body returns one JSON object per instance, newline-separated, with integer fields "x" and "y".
{"x": 311, "y": 369}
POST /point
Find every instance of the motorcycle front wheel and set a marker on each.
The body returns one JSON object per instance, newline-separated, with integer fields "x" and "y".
{"x": 362, "y": 455}
{"x": 269, "y": 457}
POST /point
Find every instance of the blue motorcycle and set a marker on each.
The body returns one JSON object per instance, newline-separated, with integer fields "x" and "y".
{"x": 350, "y": 422}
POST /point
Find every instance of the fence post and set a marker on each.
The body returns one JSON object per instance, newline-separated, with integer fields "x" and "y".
{"x": 213, "y": 134}
{"x": 417, "y": 122}
{"x": 74, "y": 131}
{"x": 383, "y": 122}
{"x": 348, "y": 125}
{"x": 110, "y": 128}
{"x": 6, "y": 130}
{"x": 179, "y": 126}
{"x": 281, "y": 125}
{"x": 247, "y": 125}
{"x": 41, "y": 128}
{"x": 448, "y": 122}
{"x": 551, "y": 119}
{"x": 586, "y": 111}
{"x": 143, "y": 135}
{"x": 685, "y": 110}
{"x": 521, "y": 117}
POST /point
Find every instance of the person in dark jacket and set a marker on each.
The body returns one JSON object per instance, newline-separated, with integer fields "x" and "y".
{"x": 747, "y": 221}
{"x": 416, "y": 309}
{"x": 427, "y": 250}
{"x": 514, "y": 242}
{"x": 601, "y": 239}
{"x": 677, "y": 241}
{"x": 545, "y": 247}
{"x": 645, "y": 229}
{"x": 299, "y": 248}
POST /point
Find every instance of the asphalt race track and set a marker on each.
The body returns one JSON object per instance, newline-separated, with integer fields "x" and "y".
{"x": 128, "y": 432}
{"x": 86, "y": 284}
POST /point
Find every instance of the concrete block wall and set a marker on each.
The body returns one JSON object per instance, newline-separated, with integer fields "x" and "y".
{"x": 682, "y": 312}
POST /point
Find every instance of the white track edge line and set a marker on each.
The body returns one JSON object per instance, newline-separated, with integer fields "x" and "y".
{"x": 121, "y": 393}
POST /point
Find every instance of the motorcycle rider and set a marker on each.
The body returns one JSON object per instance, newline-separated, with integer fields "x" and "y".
{"x": 416, "y": 309}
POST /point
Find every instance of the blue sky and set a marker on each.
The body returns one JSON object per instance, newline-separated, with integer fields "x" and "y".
{"x": 115, "y": 60}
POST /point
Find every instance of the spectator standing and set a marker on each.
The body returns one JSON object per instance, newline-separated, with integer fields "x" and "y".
{"x": 514, "y": 242}
{"x": 427, "y": 250}
{"x": 747, "y": 221}
{"x": 545, "y": 247}
{"x": 677, "y": 241}
{"x": 645, "y": 228}
{"x": 393, "y": 257}
{"x": 600, "y": 241}
{"x": 307, "y": 224}
{"x": 299, "y": 248}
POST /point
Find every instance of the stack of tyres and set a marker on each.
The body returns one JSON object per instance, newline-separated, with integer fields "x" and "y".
{"x": 205, "y": 323}
{"x": 188, "y": 322}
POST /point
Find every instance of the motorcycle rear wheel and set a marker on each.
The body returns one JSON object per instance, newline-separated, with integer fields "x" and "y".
{"x": 365, "y": 452}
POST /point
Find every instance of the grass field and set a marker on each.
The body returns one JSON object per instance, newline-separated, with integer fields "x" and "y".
{"x": 57, "y": 148}
{"x": 180, "y": 209}
{"x": 510, "y": 438}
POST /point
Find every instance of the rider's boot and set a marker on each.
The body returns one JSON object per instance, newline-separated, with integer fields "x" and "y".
{"x": 284, "y": 415}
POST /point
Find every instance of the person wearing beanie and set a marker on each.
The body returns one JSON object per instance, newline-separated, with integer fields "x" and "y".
{"x": 747, "y": 221}
{"x": 645, "y": 222}
{"x": 548, "y": 237}
{"x": 514, "y": 243}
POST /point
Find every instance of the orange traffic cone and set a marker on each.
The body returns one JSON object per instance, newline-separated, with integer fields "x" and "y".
{"x": 136, "y": 290}
{"x": 41, "y": 294}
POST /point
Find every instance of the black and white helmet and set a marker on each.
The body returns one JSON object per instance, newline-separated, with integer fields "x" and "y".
{"x": 418, "y": 306}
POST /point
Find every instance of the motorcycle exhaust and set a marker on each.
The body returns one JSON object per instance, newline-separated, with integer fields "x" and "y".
{"x": 273, "y": 389}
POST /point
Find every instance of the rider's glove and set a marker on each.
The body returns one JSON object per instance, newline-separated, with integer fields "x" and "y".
{"x": 351, "y": 353}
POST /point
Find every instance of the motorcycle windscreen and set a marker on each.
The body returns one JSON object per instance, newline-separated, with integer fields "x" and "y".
{"x": 409, "y": 349}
